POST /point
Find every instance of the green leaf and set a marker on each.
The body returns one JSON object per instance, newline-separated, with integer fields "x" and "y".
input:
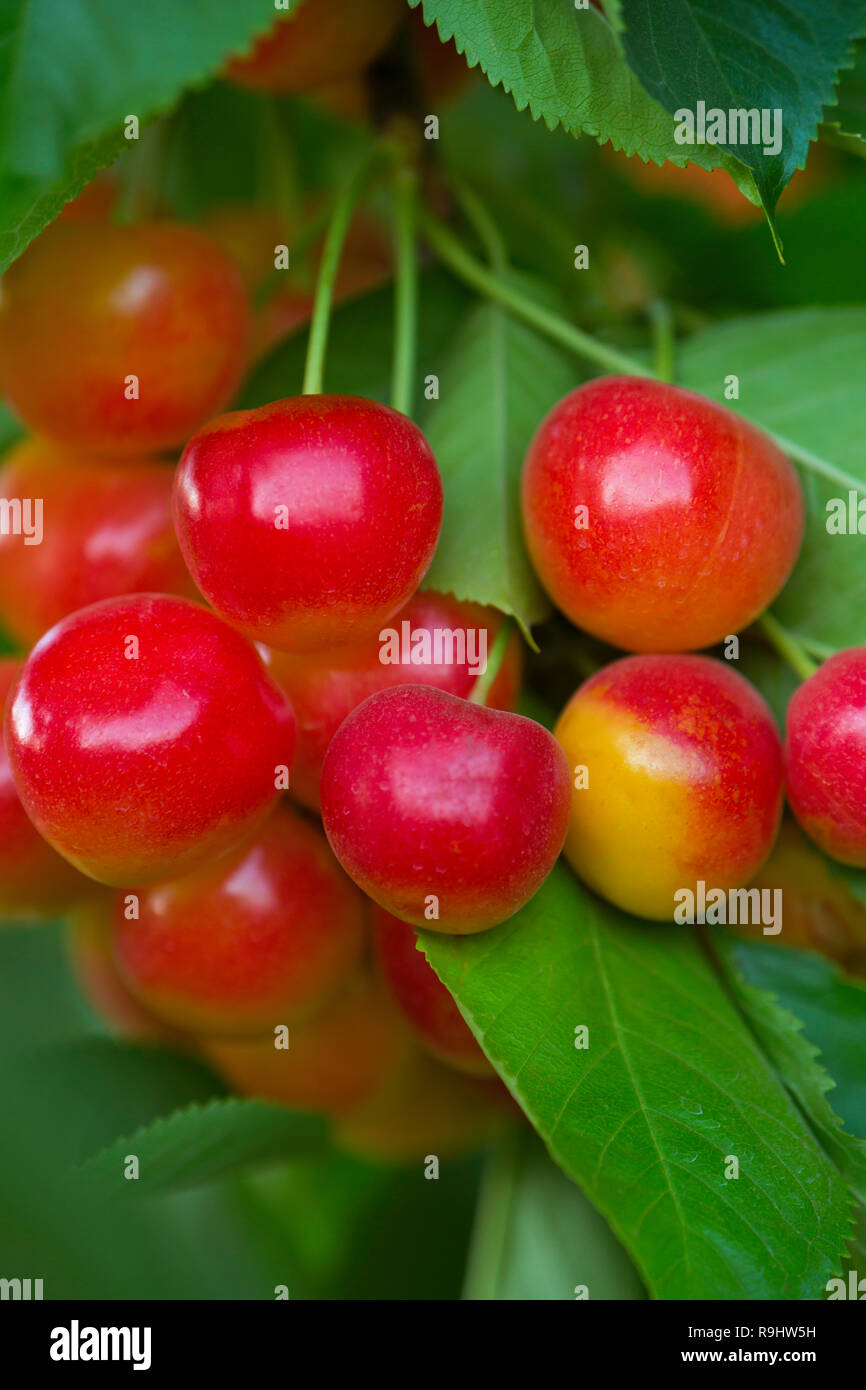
{"x": 538, "y": 1238}
{"x": 205, "y": 1142}
{"x": 783, "y": 1037}
{"x": 114, "y": 61}
{"x": 566, "y": 67}
{"x": 784, "y": 57}
{"x": 830, "y": 1007}
{"x": 671, "y": 1084}
{"x": 849, "y": 113}
{"x": 800, "y": 375}
{"x": 500, "y": 381}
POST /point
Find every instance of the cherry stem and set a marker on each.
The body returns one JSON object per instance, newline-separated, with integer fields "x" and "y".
{"x": 786, "y": 644}
{"x": 454, "y": 255}
{"x": 405, "y": 289}
{"x": 663, "y": 339}
{"x": 314, "y": 370}
{"x": 482, "y": 223}
{"x": 483, "y": 683}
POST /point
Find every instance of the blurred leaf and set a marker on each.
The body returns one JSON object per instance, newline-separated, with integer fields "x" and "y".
{"x": 800, "y": 375}
{"x": 773, "y": 676}
{"x": 646, "y": 1117}
{"x": 784, "y": 57}
{"x": 72, "y": 73}
{"x": 39, "y": 1003}
{"x": 784, "y": 1037}
{"x": 551, "y": 1242}
{"x": 849, "y": 112}
{"x": 566, "y": 66}
{"x": 500, "y": 382}
{"x": 204, "y": 1142}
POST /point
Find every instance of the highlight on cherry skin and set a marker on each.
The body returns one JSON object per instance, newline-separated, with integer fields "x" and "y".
{"x": 34, "y": 880}
{"x": 324, "y": 687}
{"x": 160, "y": 320}
{"x": 322, "y": 40}
{"x": 656, "y": 519}
{"x": 447, "y": 814}
{"x": 424, "y": 1001}
{"x": 265, "y": 935}
{"x": 146, "y": 737}
{"x": 310, "y": 522}
{"x": 98, "y": 528}
{"x": 683, "y": 752}
{"x": 825, "y": 756}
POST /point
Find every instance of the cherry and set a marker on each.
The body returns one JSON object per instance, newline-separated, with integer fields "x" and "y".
{"x": 34, "y": 881}
{"x": 343, "y": 1057}
{"x": 311, "y": 521}
{"x": 427, "y": 1005}
{"x": 677, "y": 778}
{"x": 826, "y": 756}
{"x": 106, "y": 529}
{"x": 121, "y": 339}
{"x": 325, "y": 687}
{"x": 447, "y": 814}
{"x": 820, "y": 911}
{"x": 89, "y": 950}
{"x": 320, "y": 41}
{"x": 146, "y": 737}
{"x": 431, "y": 1110}
{"x": 264, "y": 936}
{"x": 656, "y": 519}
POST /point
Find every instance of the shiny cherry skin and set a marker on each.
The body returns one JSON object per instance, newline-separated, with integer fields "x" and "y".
{"x": 87, "y": 308}
{"x": 343, "y": 1057}
{"x": 106, "y": 530}
{"x": 425, "y": 1002}
{"x": 325, "y": 687}
{"x": 826, "y": 756}
{"x": 677, "y": 777}
{"x": 34, "y": 880}
{"x": 309, "y": 522}
{"x": 656, "y": 519}
{"x": 146, "y": 737}
{"x": 263, "y": 936}
{"x": 321, "y": 41}
{"x": 447, "y": 814}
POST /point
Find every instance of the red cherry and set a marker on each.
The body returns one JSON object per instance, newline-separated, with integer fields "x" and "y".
{"x": 325, "y": 687}
{"x": 146, "y": 737}
{"x": 92, "y": 314}
{"x": 34, "y": 880}
{"x": 826, "y": 756}
{"x": 311, "y": 521}
{"x": 447, "y": 814}
{"x": 88, "y": 945}
{"x": 106, "y": 530}
{"x": 428, "y": 1007}
{"x": 262, "y": 937}
{"x": 656, "y": 519}
{"x": 320, "y": 41}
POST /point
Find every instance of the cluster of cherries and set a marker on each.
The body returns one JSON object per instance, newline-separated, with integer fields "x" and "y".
{"x": 249, "y": 811}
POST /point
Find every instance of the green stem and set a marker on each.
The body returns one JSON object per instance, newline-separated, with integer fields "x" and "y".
{"x": 787, "y": 646}
{"x": 466, "y": 268}
{"x": 405, "y": 289}
{"x": 483, "y": 683}
{"x": 482, "y": 223}
{"x": 663, "y": 338}
{"x": 492, "y": 1221}
{"x": 450, "y": 251}
{"x": 344, "y": 207}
